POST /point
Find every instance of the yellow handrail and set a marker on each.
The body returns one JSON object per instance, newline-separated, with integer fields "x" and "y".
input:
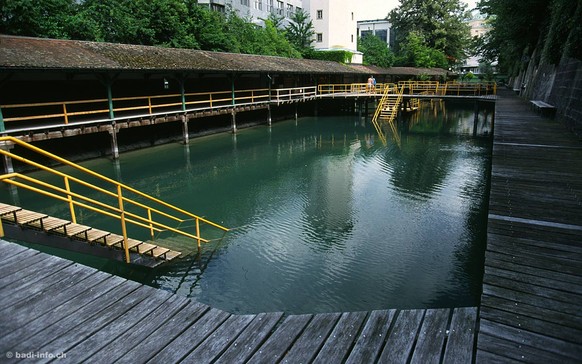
{"x": 118, "y": 211}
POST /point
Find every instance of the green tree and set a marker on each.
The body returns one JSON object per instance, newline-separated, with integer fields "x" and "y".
{"x": 516, "y": 27}
{"x": 415, "y": 52}
{"x": 376, "y": 51}
{"x": 441, "y": 23}
{"x": 300, "y": 32}
{"x": 45, "y": 19}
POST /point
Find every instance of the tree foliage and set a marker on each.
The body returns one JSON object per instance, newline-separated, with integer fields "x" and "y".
{"x": 440, "y": 23}
{"x": 376, "y": 51}
{"x": 415, "y": 52}
{"x": 300, "y": 32}
{"x": 519, "y": 27}
{"x": 169, "y": 23}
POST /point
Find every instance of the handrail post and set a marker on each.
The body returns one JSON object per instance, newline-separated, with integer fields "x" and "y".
{"x": 70, "y": 199}
{"x": 151, "y": 223}
{"x": 122, "y": 219}
{"x": 65, "y": 113}
{"x": 150, "y": 105}
{"x": 198, "y": 232}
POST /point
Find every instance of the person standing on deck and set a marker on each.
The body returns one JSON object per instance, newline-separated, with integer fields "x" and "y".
{"x": 370, "y": 84}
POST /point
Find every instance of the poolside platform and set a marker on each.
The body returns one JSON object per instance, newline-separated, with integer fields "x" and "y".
{"x": 531, "y": 306}
{"x": 53, "y": 308}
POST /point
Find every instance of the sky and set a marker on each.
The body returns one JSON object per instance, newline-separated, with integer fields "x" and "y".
{"x": 379, "y": 9}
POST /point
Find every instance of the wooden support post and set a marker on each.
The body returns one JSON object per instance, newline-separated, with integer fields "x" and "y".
{"x": 476, "y": 118}
{"x": 295, "y": 111}
{"x": 233, "y": 114}
{"x": 185, "y": 136}
{"x": 2, "y": 126}
{"x": 269, "y": 115}
{"x": 8, "y": 166}
{"x": 114, "y": 146}
{"x": 366, "y": 110}
{"x": 110, "y": 99}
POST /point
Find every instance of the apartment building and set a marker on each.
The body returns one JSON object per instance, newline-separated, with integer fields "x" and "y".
{"x": 256, "y": 9}
{"x": 335, "y": 25}
{"x": 381, "y": 28}
{"x": 334, "y": 21}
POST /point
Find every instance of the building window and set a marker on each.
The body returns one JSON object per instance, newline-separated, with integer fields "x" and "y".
{"x": 270, "y": 6}
{"x": 244, "y": 2}
{"x": 319, "y": 38}
{"x": 352, "y": 15}
{"x": 279, "y": 7}
{"x": 320, "y": 14}
{"x": 259, "y": 4}
{"x": 352, "y": 38}
{"x": 289, "y": 11}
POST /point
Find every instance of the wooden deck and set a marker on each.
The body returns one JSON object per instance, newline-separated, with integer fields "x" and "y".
{"x": 531, "y": 307}
{"x": 55, "y": 306}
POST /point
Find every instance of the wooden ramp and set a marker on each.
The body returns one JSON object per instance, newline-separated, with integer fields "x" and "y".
{"x": 19, "y": 221}
{"x": 55, "y": 306}
{"x": 531, "y": 307}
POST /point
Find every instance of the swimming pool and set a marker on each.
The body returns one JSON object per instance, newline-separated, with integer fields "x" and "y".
{"x": 325, "y": 217}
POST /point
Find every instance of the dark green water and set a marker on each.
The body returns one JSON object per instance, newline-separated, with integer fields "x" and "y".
{"x": 326, "y": 218}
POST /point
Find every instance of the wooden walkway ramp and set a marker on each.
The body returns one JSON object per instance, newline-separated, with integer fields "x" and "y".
{"x": 55, "y": 306}
{"x": 531, "y": 307}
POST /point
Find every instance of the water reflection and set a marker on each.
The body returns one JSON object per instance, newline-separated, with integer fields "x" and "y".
{"x": 324, "y": 216}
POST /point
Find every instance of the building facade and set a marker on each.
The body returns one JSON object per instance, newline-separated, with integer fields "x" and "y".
{"x": 381, "y": 28}
{"x": 256, "y": 9}
{"x": 335, "y": 25}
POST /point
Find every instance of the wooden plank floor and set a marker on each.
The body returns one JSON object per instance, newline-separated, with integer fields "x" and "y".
{"x": 531, "y": 307}
{"x": 52, "y": 306}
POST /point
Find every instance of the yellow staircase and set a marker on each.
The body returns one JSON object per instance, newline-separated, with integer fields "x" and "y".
{"x": 104, "y": 196}
{"x": 387, "y": 110}
{"x": 26, "y": 219}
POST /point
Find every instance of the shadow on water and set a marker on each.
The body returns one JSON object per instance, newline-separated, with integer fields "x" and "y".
{"x": 325, "y": 217}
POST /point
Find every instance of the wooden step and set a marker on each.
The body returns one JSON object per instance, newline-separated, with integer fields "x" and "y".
{"x": 8, "y": 209}
{"x": 113, "y": 239}
{"x": 159, "y": 251}
{"x": 24, "y": 217}
{"x": 144, "y": 248}
{"x": 72, "y": 229}
{"x": 171, "y": 255}
{"x": 50, "y": 223}
{"x": 96, "y": 234}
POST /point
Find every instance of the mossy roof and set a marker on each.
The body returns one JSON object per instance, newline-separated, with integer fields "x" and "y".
{"x": 26, "y": 53}
{"x": 53, "y": 54}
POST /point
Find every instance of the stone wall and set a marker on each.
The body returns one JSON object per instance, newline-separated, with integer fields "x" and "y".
{"x": 559, "y": 85}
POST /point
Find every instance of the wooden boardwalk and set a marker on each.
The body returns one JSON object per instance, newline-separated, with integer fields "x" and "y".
{"x": 51, "y": 306}
{"x": 531, "y": 307}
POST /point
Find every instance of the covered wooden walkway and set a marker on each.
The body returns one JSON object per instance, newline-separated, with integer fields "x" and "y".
{"x": 531, "y": 307}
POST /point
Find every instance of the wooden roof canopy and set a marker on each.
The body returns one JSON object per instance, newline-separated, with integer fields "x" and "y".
{"x": 34, "y": 54}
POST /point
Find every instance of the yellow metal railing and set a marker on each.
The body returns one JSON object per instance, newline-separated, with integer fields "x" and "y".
{"x": 122, "y": 207}
{"x": 66, "y": 111}
{"x": 62, "y": 113}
